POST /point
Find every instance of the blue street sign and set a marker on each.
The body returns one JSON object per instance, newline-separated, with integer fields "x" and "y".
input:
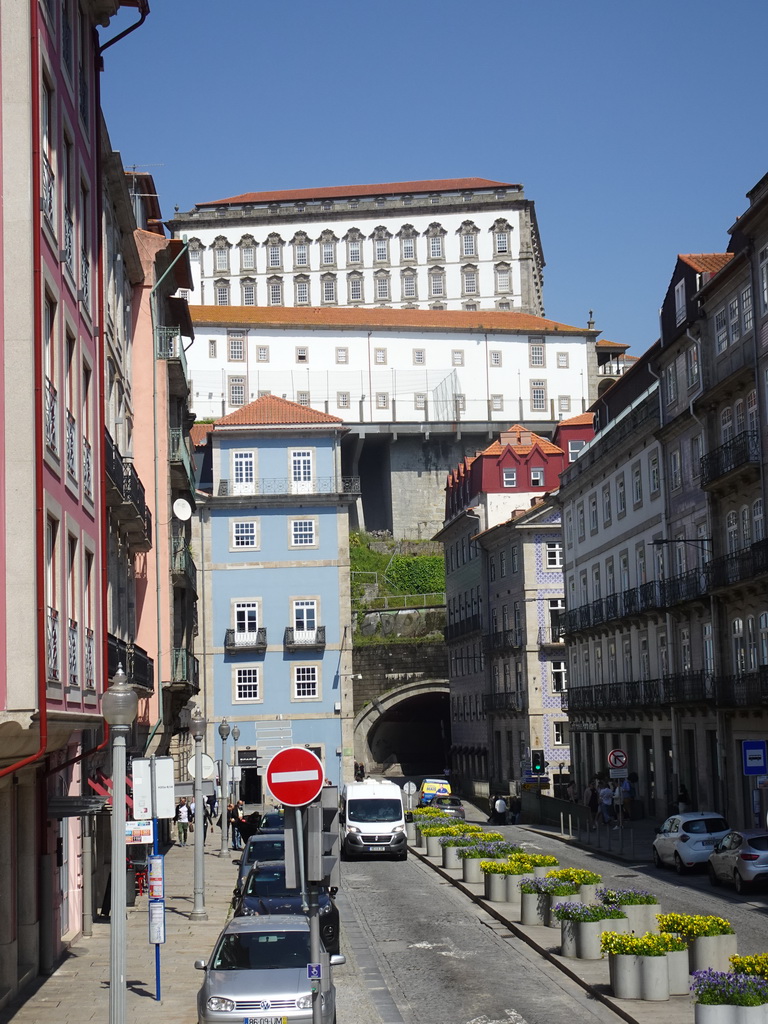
{"x": 314, "y": 972}
{"x": 755, "y": 757}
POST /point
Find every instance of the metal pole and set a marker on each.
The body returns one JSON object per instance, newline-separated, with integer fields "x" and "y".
{"x": 87, "y": 875}
{"x": 224, "y": 852}
{"x": 314, "y": 950}
{"x": 198, "y": 910}
{"x": 117, "y": 931}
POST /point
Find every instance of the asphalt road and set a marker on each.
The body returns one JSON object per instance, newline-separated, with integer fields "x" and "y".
{"x": 428, "y": 955}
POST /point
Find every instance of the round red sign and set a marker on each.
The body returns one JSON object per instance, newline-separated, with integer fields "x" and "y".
{"x": 295, "y": 776}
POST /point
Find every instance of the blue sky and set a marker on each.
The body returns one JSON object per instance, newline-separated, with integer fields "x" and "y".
{"x": 635, "y": 128}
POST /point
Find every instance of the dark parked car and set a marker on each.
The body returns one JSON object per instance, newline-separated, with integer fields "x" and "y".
{"x": 258, "y": 848}
{"x": 265, "y": 892}
{"x": 261, "y": 824}
{"x": 450, "y": 805}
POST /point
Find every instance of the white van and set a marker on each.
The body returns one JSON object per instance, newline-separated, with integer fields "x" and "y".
{"x": 372, "y": 820}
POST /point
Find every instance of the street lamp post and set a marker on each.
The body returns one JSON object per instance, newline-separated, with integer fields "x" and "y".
{"x": 224, "y": 733}
{"x": 197, "y": 728}
{"x": 235, "y": 738}
{"x": 119, "y": 705}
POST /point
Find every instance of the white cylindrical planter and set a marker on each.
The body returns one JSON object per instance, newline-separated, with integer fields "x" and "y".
{"x": 654, "y": 978}
{"x": 568, "y": 938}
{"x": 677, "y": 969}
{"x": 470, "y": 870}
{"x": 451, "y": 859}
{"x": 532, "y": 908}
{"x": 588, "y": 893}
{"x": 417, "y": 835}
{"x": 551, "y": 902}
{"x": 711, "y": 951}
{"x": 615, "y": 924}
{"x": 410, "y": 831}
{"x": 434, "y": 849}
{"x": 541, "y": 871}
{"x": 588, "y": 935}
{"x": 637, "y": 916}
{"x": 513, "y": 889}
{"x": 625, "y": 975}
{"x": 496, "y": 888}
{"x": 704, "y": 1013}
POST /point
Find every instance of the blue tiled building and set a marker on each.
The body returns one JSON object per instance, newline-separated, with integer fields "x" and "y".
{"x": 275, "y": 637}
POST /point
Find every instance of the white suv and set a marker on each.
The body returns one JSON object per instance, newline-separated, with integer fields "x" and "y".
{"x": 685, "y": 840}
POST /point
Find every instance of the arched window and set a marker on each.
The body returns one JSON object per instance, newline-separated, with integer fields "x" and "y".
{"x": 752, "y": 412}
{"x": 732, "y": 531}
{"x": 758, "y": 524}
{"x": 726, "y": 424}
{"x": 739, "y": 416}
{"x": 737, "y": 646}
{"x": 746, "y": 527}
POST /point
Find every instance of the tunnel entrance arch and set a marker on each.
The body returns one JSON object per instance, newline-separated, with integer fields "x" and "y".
{"x": 406, "y": 730}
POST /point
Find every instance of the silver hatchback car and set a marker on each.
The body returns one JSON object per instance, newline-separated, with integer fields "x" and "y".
{"x": 258, "y": 972}
{"x": 685, "y": 840}
{"x": 741, "y": 857}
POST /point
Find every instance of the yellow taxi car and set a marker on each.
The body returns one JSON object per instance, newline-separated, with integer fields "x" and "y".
{"x": 430, "y": 788}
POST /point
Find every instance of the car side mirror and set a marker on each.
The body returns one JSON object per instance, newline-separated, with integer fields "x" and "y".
{"x": 333, "y": 890}
{"x": 337, "y": 960}
{"x": 200, "y": 965}
{"x": 235, "y": 860}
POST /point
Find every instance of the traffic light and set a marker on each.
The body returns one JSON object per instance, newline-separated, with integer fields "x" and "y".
{"x": 538, "y": 764}
{"x": 323, "y": 838}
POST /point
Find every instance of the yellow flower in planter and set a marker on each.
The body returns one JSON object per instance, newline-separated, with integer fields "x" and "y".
{"x": 577, "y": 876}
{"x": 694, "y": 926}
{"x": 756, "y": 965}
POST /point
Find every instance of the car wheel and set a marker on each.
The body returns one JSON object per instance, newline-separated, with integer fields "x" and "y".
{"x": 713, "y": 879}
{"x": 680, "y": 868}
{"x": 657, "y": 861}
{"x": 741, "y": 885}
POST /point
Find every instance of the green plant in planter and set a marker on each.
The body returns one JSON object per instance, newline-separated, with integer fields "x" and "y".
{"x": 717, "y": 988}
{"x": 465, "y": 839}
{"x": 543, "y": 860}
{"x": 569, "y": 911}
{"x": 626, "y": 897}
{"x": 756, "y": 965}
{"x": 694, "y": 926}
{"x": 577, "y": 876}
{"x": 440, "y": 829}
{"x": 548, "y": 886}
{"x": 483, "y": 848}
{"x": 649, "y": 944}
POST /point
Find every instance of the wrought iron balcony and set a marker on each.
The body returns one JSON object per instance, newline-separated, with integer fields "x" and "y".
{"x": 68, "y": 252}
{"x": 71, "y": 447}
{"x": 183, "y": 568}
{"x": 551, "y": 635}
{"x": 185, "y": 670}
{"x": 688, "y": 586}
{"x": 304, "y": 639}
{"x": 52, "y": 643}
{"x": 236, "y": 640}
{"x": 87, "y": 469}
{"x": 503, "y": 640}
{"x": 89, "y": 672}
{"x": 738, "y": 566}
{"x": 49, "y": 193}
{"x": 742, "y": 450}
{"x": 73, "y": 655}
{"x": 51, "y": 417}
{"x": 513, "y": 702}
{"x": 180, "y": 459}
{"x": 456, "y": 630}
{"x": 281, "y": 485}
{"x": 137, "y": 664}
{"x": 169, "y": 346}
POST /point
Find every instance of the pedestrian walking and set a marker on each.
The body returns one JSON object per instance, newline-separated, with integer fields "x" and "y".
{"x": 500, "y": 810}
{"x": 592, "y": 801}
{"x": 605, "y": 796}
{"x": 183, "y": 818}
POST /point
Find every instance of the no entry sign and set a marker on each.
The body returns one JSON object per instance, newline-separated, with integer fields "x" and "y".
{"x": 295, "y": 776}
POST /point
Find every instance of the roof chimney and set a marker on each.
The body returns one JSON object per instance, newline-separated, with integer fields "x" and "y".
{"x": 590, "y": 322}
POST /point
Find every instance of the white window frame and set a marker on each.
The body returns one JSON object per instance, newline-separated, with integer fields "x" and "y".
{"x": 245, "y": 534}
{"x": 240, "y": 674}
{"x": 311, "y": 673}
{"x": 303, "y": 532}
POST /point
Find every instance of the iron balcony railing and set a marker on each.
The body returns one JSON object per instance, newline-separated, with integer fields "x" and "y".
{"x": 89, "y": 671}
{"x": 179, "y": 454}
{"x": 503, "y": 640}
{"x": 742, "y": 450}
{"x": 471, "y": 624}
{"x": 71, "y": 447}
{"x": 183, "y": 565}
{"x": 284, "y": 485}
{"x": 549, "y": 635}
{"x": 73, "y": 655}
{"x": 54, "y": 671}
{"x": 87, "y": 469}
{"x": 168, "y": 345}
{"x": 749, "y": 689}
{"x": 514, "y": 702}
{"x": 185, "y": 668}
{"x": 245, "y": 640}
{"x": 51, "y": 417}
{"x": 304, "y": 639}
{"x": 49, "y": 193}
{"x": 137, "y": 664}
{"x": 688, "y": 586}
{"x": 738, "y": 566}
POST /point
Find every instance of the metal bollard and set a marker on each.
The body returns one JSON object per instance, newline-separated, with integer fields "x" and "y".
{"x": 562, "y": 830}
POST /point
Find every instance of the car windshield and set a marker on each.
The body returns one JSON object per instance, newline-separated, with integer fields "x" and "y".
{"x": 272, "y": 849}
{"x": 382, "y": 809}
{"x": 699, "y": 826}
{"x": 272, "y": 820}
{"x": 268, "y": 883}
{"x": 448, "y": 801}
{"x": 260, "y": 951}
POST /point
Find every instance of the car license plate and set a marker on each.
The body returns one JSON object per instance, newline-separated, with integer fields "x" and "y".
{"x": 265, "y": 1020}
{"x": 376, "y": 849}
{"x": 708, "y": 842}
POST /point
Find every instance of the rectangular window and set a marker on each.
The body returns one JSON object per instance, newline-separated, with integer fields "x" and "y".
{"x": 409, "y": 248}
{"x": 276, "y": 293}
{"x": 470, "y": 282}
{"x": 563, "y": 403}
{"x": 468, "y": 245}
{"x": 502, "y": 243}
{"x": 262, "y": 353}
{"x": 560, "y": 734}
{"x": 249, "y": 294}
{"x": 675, "y": 478}
{"x": 509, "y": 477}
{"x": 305, "y": 616}
{"x": 695, "y": 456}
{"x": 342, "y": 399}
{"x": 497, "y": 403}
{"x": 382, "y": 400}
{"x": 734, "y": 319}
{"x": 461, "y": 403}
{"x": 721, "y": 330}
{"x": 274, "y": 255}
{"x": 502, "y": 280}
{"x": 237, "y": 390}
{"x": 244, "y": 534}
{"x": 437, "y": 284}
{"x": 301, "y": 255}
{"x": 247, "y": 683}
{"x": 457, "y": 357}
{"x": 653, "y": 473}
{"x": 692, "y": 365}
{"x": 670, "y": 383}
{"x": 380, "y": 250}
{"x": 302, "y": 354}
{"x": 380, "y": 356}
{"x": 342, "y": 355}
{"x": 621, "y": 496}
{"x": 302, "y": 533}
{"x": 329, "y": 253}
{"x": 536, "y": 353}
{"x": 503, "y": 565}
{"x": 436, "y": 247}
{"x": 538, "y": 395}
{"x": 746, "y": 309}
{"x": 354, "y": 252}
{"x": 420, "y": 401}
{"x": 409, "y": 287}
{"x": 246, "y": 620}
{"x": 637, "y": 485}
{"x": 302, "y": 398}
{"x": 554, "y": 554}
{"x": 537, "y": 477}
{"x": 305, "y": 682}
{"x": 329, "y": 291}
{"x": 419, "y": 356}
{"x": 236, "y": 347}
{"x": 302, "y": 293}
{"x": 222, "y": 295}
{"x": 221, "y": 259}
{"x": 559, "y": 677}
{"x": 355, "y": 289}
{"x": 679, "y": 303}
{"x": 382, "y": 287}
{"x": 243, "y": 466}
{"x": 494, "y": 358}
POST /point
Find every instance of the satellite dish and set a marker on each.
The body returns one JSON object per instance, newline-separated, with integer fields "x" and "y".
{"x": 182, "y": 509}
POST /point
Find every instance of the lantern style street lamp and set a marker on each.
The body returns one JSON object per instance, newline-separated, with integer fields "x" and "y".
{"x": 197, "y": 728}
{"x": 224, "y": 733}
{"x": 119, "y": 705}
{"x": 235, "y": 789}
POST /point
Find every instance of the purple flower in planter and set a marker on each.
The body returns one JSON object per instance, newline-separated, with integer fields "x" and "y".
{"x": 718, "y": 988}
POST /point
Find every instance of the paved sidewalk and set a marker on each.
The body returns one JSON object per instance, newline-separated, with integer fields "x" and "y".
{"x": 592, "y": 975}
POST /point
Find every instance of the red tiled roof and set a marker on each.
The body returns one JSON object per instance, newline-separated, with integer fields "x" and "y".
{"x": 198, "y": 433}
{"x": 376, "y": 317}
{"x": 271, "y": 410}
{"x": 613, "y": 345}
{"x": 497, "y": 447}
{"x": 347, "y": 191}
{"x": 584, "y": 418}
{"x": 706, "y": 262}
